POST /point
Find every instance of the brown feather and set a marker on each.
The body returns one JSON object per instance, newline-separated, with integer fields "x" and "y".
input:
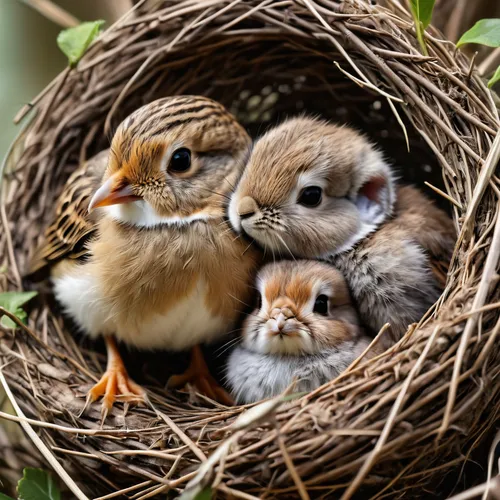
{"x": 67, "y": 236}
{"x": 174, "y": 275}
{"x": 171, "y": 263}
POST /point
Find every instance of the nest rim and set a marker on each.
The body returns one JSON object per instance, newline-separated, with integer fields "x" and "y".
{"x": 375, "y": 39}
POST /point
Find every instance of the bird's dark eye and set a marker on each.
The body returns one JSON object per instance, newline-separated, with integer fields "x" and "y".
{"x": 311, "y": 196}
{"x": 180, "y": 161}
{"x": 321, "y": 305}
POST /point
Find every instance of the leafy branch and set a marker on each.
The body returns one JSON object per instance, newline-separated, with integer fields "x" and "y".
{"x": 35, "y": 484}
{"x": 75, "y": 41}
{"x": 422, "y": 14}
{"x": 13, "y": 302}
{"x": 484, "y": 32}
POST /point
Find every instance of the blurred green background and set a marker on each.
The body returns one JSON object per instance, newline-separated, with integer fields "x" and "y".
{"x": 29, "y": 56}
{"x": 29, "y": 60}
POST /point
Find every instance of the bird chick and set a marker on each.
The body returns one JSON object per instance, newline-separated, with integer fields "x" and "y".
{"x": 316, "y": 190}
{"x": 154, "y": 263}
{"x": 305, "y": 328}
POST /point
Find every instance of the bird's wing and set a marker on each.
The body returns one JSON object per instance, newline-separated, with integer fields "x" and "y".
{"x": 68, "y": 234}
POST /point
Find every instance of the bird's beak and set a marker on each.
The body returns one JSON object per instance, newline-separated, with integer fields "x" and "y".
{"x": 112, "y": 192}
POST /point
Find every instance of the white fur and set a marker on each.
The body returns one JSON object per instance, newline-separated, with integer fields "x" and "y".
{"x": 142, "y": 214}
{"x": 187, "y": 324}
{"x": 253, "y": 376}
{"x": 232, "y": 212}
{"x": 371, "y": 215}
{"x": 267, "y": 343}
{"x": 260, "y": 284}
{"x": 267, "y": 238}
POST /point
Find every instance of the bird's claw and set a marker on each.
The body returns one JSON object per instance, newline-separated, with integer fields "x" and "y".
{"x": 115, "y": 385}
{"x": 199, "y": 376}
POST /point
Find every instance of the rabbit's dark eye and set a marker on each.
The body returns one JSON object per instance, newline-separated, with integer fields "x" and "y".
{"x": 321, "y": 305}
{"x": 258, "y": 302}
{"x": 180, "y": 161}
{"x": 311, "y": 196}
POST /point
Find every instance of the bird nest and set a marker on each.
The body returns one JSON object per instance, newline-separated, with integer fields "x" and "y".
{"x": 399, "y": 422}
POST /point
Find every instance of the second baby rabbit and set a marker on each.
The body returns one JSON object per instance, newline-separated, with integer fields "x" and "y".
{"x": 305, "y": 328}
{"x": 316, "y": 190}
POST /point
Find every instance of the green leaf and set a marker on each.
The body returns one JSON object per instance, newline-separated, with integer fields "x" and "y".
{"x": 204, "y": 494}
{"x": 495, "y": 78}
{"x": 484, "y": 32}
{"x": 5, "y": 497}
{"x": 12, "y": 302}
{"x": 75, "y": 41}
{"x": 37, "y": 484}
{"x": 422, "y": 14}
{"x": 295, "y": 395}
{"x": 422, "y": 11}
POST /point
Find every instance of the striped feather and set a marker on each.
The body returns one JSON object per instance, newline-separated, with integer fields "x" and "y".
{"x": 140, "y": 139}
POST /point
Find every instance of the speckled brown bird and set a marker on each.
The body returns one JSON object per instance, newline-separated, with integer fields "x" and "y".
{"x": 140, "y": 249}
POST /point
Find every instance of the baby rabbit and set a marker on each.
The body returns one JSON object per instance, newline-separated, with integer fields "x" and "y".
{"x": 305, "y": 328}
{"x": 316, "y": 190}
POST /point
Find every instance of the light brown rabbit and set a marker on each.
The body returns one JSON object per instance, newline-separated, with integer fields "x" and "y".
{"x": 162, "y": 269}
{"x": 305, "y": 328}
{"x": 313, "y": 189}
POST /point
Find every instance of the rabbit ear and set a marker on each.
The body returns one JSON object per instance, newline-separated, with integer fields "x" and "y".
{"x": 372, "y": 188}
{"x": 373, "y": 200}
{"x": 374, "y": 194}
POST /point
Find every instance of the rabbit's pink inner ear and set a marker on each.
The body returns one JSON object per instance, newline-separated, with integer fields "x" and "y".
{"x": 372, "y": 188}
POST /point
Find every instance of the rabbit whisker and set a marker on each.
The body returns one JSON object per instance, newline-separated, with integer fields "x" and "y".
{"x": 228, "y": 345}
{"x": 226, "y": 231}
{"x": 230, "y": 183}
{"x": 246, "y": 249}
{"x": 286, "y": 246}
{"x": 236, "y": 298}
{"x": 218, "y": 194}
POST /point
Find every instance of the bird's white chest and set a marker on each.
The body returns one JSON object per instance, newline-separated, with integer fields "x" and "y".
{"x": 185, "y": 324}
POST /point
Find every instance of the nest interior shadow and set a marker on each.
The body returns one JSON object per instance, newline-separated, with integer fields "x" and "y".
{"x": 395, "y": 423}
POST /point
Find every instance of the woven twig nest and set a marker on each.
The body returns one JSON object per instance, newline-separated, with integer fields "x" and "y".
{"x": 396, "y": 423}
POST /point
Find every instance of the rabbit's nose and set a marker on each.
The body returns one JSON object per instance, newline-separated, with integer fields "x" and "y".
{"x": 279, "y": 315}
{"x": 280, "y": 320}
{"x": 247, "y": 207}
{"x": 276, "y": 324}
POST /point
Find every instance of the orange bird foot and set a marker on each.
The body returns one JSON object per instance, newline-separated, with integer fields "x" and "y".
{"x": 115, "y": 384}
{"x": 198, "y": 375}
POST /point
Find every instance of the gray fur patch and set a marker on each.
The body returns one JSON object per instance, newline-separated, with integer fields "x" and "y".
{"x": 253, "y": 376}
